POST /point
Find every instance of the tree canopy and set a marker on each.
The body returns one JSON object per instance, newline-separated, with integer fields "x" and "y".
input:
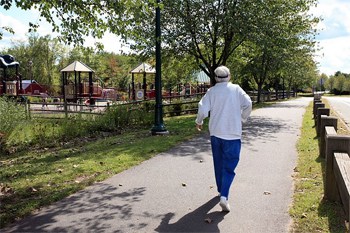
{"x": 273, "y": 34}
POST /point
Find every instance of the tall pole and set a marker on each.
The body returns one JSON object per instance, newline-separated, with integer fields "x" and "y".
{"x": 31, "y": 76}
{"x": 158, "y": 127}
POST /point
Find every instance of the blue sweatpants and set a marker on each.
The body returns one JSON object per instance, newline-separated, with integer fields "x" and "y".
{"x": 226, "y": 156}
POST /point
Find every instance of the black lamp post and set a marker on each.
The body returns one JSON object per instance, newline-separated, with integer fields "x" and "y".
{"x": 158, "y": 127}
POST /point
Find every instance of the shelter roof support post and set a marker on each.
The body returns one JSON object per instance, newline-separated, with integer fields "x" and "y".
{"x": 79, "y": 83}
{"x": 4, "y": 82}
{"x": 75, "y": 86}
{"x": 144, "y": 86}
{"x": 62, "y": 87}
{"x": 64, "y": 82}
{"x": 20, "y": 83}
{"x": 133, "y": 87}
{"x": 90, "y": 88}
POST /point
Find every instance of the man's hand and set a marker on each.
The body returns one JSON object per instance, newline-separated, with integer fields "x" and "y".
{"x": 199, "y": 127}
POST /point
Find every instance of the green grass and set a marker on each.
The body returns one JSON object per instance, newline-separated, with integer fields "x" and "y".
{"x": 35, "y": 178}
{"x": 310, "y": 212}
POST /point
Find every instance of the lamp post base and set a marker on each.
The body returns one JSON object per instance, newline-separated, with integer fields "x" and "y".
{"x": 159, "y": 130}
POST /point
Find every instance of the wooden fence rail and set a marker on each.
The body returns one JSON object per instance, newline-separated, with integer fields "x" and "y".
{"x": 336, "y": 150}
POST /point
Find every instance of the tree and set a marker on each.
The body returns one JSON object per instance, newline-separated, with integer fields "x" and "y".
{"x": 42, "y": 53}
{"x": 321, "y": 81}
{"x": 330, "y": 84}
{"x": 284, "y": 34}
{"x": 4, "y": 29}
{"x": 209, "y": 30}
{"x": 340, "y": 83}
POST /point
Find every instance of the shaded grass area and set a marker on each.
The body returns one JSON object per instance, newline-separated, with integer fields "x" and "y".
{"x": 310, "y": 212}
{"x": 35, "y": 178}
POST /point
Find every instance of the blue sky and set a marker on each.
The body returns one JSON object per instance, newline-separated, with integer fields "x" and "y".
{"x": 333, "y": 39}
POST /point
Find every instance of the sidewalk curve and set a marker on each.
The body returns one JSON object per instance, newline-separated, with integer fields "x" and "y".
{"x": 175, "y": 191}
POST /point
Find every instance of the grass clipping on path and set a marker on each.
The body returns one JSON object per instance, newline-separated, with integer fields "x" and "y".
{"x": 310, "y": 212}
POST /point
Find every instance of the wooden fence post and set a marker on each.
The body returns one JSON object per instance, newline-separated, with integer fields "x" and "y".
{"x": 341, "y": 172}
{"x": 65, "y": 108}
{"x": 326, "y": 121}
{"x": 317, "y": 96}
{"x": 314, "y": 107}
{"x": 320, "y": 112}
{"x": 334, "y": 143}
{"x": 28, "y": 107}
{"x": 317, "y": 106}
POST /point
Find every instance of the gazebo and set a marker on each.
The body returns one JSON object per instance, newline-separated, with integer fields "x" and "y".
{"x": 144, "y": 69}
{"x": 75, "y": 91}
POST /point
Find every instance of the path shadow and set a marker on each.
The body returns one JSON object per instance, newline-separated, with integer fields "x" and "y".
{"x": 265, "y": 129}
{"x": 194, "y": 221}
{"x": 90, "y": 210}
{"x": 196, "y": 147}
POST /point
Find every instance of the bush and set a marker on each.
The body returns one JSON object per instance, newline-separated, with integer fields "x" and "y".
{"x": 11, "y": 113}
{"x": 121, "y": 116}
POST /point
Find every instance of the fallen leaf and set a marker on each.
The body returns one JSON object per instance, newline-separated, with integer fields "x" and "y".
{"x": 267, "y": 193}
{"x": 303, "y": 215}
{"x": 75, "y": 166}
{"x": 120, "y": 184}
{"x": 201, "y": 161}
{"x": 208, "y": 220}
{"x": 59, "y": 170}
{"x": 184, "y": 184}
{"x": 32, "y": 190}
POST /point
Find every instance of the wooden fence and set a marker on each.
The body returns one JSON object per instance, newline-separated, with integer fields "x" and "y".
{"x": 173, "y": 105}
{"x": 335, "y": 149}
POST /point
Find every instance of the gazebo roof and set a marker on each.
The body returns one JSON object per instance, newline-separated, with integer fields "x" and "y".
{"x": 201, "y": 76}
{"x": 143, "y": 68}
{"x": 78, "y": 67}
{"x": 7, "y": 61}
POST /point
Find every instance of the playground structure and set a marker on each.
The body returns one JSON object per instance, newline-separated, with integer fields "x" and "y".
{"x": 80, "y": 85}
{"x": 12, "y": 86}
{"x": 145, "y": 90}
{"x": 77, "y": 87}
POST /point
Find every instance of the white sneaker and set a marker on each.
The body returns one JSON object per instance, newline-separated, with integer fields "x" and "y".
{"x": 224, "y": 204}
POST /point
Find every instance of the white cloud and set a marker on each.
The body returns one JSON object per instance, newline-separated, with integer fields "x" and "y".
{"x": 19, "y": 28}
{"x": 334, "y": 55}
{"x": 20, "y": 25}
{"x": 334, "y": 36}
{"x": 111, "y": 43}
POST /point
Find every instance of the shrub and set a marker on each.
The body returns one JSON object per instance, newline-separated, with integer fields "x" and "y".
{"x": 11, "y": 113}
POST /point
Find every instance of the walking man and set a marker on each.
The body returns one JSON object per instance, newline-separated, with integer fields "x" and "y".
{"x": 229, "y": 106}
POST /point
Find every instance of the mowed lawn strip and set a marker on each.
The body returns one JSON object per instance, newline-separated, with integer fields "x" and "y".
{"x": 310, "y": 212}
{"x": 35, "y": 178}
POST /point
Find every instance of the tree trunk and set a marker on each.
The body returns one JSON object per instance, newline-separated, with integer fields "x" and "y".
{"x": 258, "y": 99}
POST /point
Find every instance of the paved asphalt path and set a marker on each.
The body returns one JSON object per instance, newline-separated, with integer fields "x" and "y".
{"x": 342, "y": 106}
{"x": 175, "y": 191}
